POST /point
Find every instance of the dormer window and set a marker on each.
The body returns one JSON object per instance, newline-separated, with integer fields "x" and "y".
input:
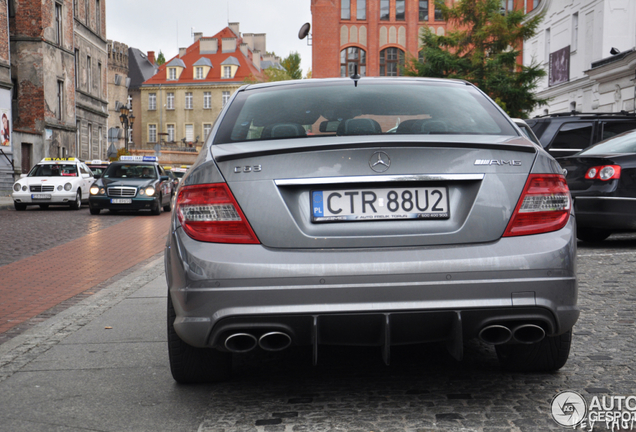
{"x": 227, "y": 72}
{"x": 199, "y": 73}
{"x": 172, "y": 74}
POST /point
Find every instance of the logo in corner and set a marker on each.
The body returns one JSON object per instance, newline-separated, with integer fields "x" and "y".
{"x": 380, "y": 162}
{"x": 568, "y": 408}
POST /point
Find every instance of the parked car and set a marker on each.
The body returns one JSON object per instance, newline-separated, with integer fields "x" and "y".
{"x": 602, "y": 180}
{"x": 132, "y": 183}
{"x": 454, "y": 226}
{"x": 53, "y": 181}
{"x": 563, "y": 134}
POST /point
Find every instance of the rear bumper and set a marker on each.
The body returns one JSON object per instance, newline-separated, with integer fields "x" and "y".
{"x": 612, "y": 213}
{"x": 371, "y": 296}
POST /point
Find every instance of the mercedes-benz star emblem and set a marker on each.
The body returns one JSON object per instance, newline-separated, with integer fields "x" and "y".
{"x": 380, "y": 162}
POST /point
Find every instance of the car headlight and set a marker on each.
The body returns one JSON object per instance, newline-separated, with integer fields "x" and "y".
{"x": 17, "y": 187}
{"x": 94, "y": 190}
{"x": 68, "y": 187}
{"x": 59, "y": 187}
{"x": 24, "y": 188}
{"x": 150, "y": 191}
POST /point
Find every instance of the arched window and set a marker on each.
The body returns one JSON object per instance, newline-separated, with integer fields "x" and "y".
{"x": 390, "y": 61}
{"x": 350, "y": 58}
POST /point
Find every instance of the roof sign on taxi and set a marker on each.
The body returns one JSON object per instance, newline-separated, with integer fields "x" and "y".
{"x": 72, "y": 159}
{"x": 138, "y": 158}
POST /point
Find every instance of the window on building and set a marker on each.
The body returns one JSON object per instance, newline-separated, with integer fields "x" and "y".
{"x": 58, "y": 24}
{"x": 507, "y": 6}
{"x": 99, "y": 79}
{"x": 98, "y": 17}
{"x": 423, "y": 13}
{"x": 75, "y": 11}
{"x": 353, "y": 58}
{"x": 189, "y": 128}
{"x": 60, "y": 100}
{"x": 170, "y": 100}
{"x": 90, "y": 140}
{"x": 78, "y": 138}
{"x": 171, "y": 132}
{"x": 226, "y": 98}
{"x": 152, "y": 133}
{"x": 188, "y": 100}
{"x": 87, "y": 12}
{"x": 227, "y": 72}
{"x": 11, "y": 8}
{"x": 77, "y": 68}
{"x": 385, "y": 13}
{"x": 207, "y": 128}
{"x": 438, "y": 13}
{"x": 399, "y": 10}
{"x": 89, "y": 77}
{"x": 152, "y": 101}
{"x": 172, "y": 74}
{"x": 575, "y": 32}
{"x": 547, "y": 46}
{"x": 129, "y": 102}
{"x": 345, "y": 9}
{"x": 199, "y": 73}
{"x": 390, "y": 61}
{"x": 361, "y": 10}
{"x": 99, "y": 142}
{"x": 207, "y": 100}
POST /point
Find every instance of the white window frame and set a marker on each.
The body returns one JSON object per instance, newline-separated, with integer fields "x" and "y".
{"x": 227, "y": 72}
{"x": 171, "y": 129}
{"x": 152, "y": 132}
{"x": 172, "y": 74}
{"x": 189, "y": 132}
{"x": 207, "y": 128}
{"x": 207, "y": 100}
{"x": 199, "y": 72}
{"x": 575, "y": 32}
{"x": 225, "y": 98}
{"x": 170, "y": 100}
{"x": 189, "y": 104}
{"x": 152, "y": 101}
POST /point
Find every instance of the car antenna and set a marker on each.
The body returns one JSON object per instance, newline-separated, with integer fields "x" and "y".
{"x": 355, "y": 77}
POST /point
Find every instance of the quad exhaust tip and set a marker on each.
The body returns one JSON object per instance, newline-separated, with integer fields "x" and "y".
{"x": 495, "y": 334}
{"x": 274, "y": 341}
{"x": 240, "y": 342}
{"x": 499, "y": 334}
{"x": 528, "y": 333}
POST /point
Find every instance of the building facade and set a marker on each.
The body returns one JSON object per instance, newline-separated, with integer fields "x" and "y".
{"x": 6, "y": 93}
{"x": 118, "y": 83}
{"x": 141, "y": 67}
{"x": 181, "y": 102}
{"x": 588, "y": 49}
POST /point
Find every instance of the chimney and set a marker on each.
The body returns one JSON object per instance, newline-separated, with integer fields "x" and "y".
{"x": 182, "y": 52}
{"x": 235, "y": 28}
{"x": 151, "y": 57}
{"x": 198, "y": 36}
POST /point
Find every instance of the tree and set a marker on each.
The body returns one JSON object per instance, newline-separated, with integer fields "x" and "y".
{"x": 161, "y": 59}
{"x": 483, "y": 50}
{"x": 291, "y": 64}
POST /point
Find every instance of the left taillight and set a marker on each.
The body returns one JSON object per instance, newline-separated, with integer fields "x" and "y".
{"x": 544, "y": 206}
{"x": 210, "y": 213}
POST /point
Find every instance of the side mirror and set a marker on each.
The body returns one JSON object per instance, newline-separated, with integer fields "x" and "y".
{"x": 85, "y": 175}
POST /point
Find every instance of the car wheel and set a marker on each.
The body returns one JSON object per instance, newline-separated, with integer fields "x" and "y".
{"x": 19, "y": 206}
{"x": 44, "y": 206}
{"x": 548, "y": 355}
{"x": 168, "y": 207}
{"x": 190, "y": 365}
{"x": 156, "y": 210}
{"x": 95, "y": 211}
{"x": 592, "y": 235}
{"x": 77, "y": 204}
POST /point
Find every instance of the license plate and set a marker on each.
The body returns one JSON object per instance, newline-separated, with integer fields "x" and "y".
{"x": 41, "y": 196}
{"x": 380, "y": 204}
{"x": 121, "y": 201}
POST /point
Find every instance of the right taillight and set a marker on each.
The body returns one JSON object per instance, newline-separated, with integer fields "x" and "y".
{"x": 210, "y": 213}
{"x": 544, "y": 206}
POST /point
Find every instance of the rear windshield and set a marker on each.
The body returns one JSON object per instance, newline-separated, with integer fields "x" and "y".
{"x": 624, "y": 143}
{"x": 130, "y": 171}
{"x": 370, "y": 108}
{"x": 54, "y": 170}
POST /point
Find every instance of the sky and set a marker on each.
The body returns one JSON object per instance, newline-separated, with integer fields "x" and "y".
{"x": 162, "y": 25}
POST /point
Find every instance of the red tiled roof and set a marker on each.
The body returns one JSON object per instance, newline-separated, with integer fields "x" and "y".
{"x": 192, "y": 55}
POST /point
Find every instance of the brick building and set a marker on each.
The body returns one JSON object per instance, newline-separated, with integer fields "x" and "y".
{"x": 58, "y": 62}
{"x": 6, "y": 87}
{"x": 181, "y": 102}
{"x": 118, "y": 83}
{"x": 376, "y": 36}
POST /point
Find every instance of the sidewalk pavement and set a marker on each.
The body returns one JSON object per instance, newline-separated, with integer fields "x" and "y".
{"x": 6, "y": 202}
{"x": 99, "y": 365}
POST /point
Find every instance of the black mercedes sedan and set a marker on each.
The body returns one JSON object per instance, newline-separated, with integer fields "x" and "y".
{"x": 602, "y": 181}
{"x": 132, "y": 183}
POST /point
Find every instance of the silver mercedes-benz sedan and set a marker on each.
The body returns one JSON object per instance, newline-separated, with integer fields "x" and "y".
{"x": 304, "y": 223}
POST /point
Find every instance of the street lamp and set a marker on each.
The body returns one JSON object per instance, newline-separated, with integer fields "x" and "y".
{"x": 126, "y": 121}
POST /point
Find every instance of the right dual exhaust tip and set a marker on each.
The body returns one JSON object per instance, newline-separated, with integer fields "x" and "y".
{"x": 499, "y": 334}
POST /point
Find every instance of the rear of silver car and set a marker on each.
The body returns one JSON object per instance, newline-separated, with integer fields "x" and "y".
{"x": 308, "y": 224}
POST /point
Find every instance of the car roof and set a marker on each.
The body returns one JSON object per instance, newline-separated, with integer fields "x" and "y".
{"x": 315, "y": 82}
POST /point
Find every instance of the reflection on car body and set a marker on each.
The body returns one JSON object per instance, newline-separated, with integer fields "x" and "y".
{"x": 132, "y": 183}
{"x": 601, "y": 179}
{"x": 353, "y": 233}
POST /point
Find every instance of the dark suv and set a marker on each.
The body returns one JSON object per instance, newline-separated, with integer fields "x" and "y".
{"x": 563, "y": 134}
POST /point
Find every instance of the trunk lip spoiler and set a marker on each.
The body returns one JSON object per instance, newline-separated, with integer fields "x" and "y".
{"x": 378, "y": 179}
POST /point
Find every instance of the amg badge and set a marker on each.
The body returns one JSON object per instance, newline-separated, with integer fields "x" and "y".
{"x": 497, "y": 162}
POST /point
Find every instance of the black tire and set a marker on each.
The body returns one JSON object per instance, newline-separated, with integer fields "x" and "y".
{"x": 546, "y": 356}
{"x": 592, "y": 235}
{"x": 156, "y": 210}
{"x": 95, "y": 211}
{"x": 190, "y": 365}
{"x": 19, "y": 206}
{"x": 168, "y": 208}
{"x": 77, "y": 204}
{"x": 44, "y": 206}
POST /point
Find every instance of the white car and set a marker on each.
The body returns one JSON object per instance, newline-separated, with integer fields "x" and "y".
{"x": 53, "y": 181}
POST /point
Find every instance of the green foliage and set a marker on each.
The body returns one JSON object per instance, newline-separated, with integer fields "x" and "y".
{"x": 120, "y": 152}
{"x": 291, "y": 64}
{"x": 161, "y": 59}
{"x": 483, "y": 50}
